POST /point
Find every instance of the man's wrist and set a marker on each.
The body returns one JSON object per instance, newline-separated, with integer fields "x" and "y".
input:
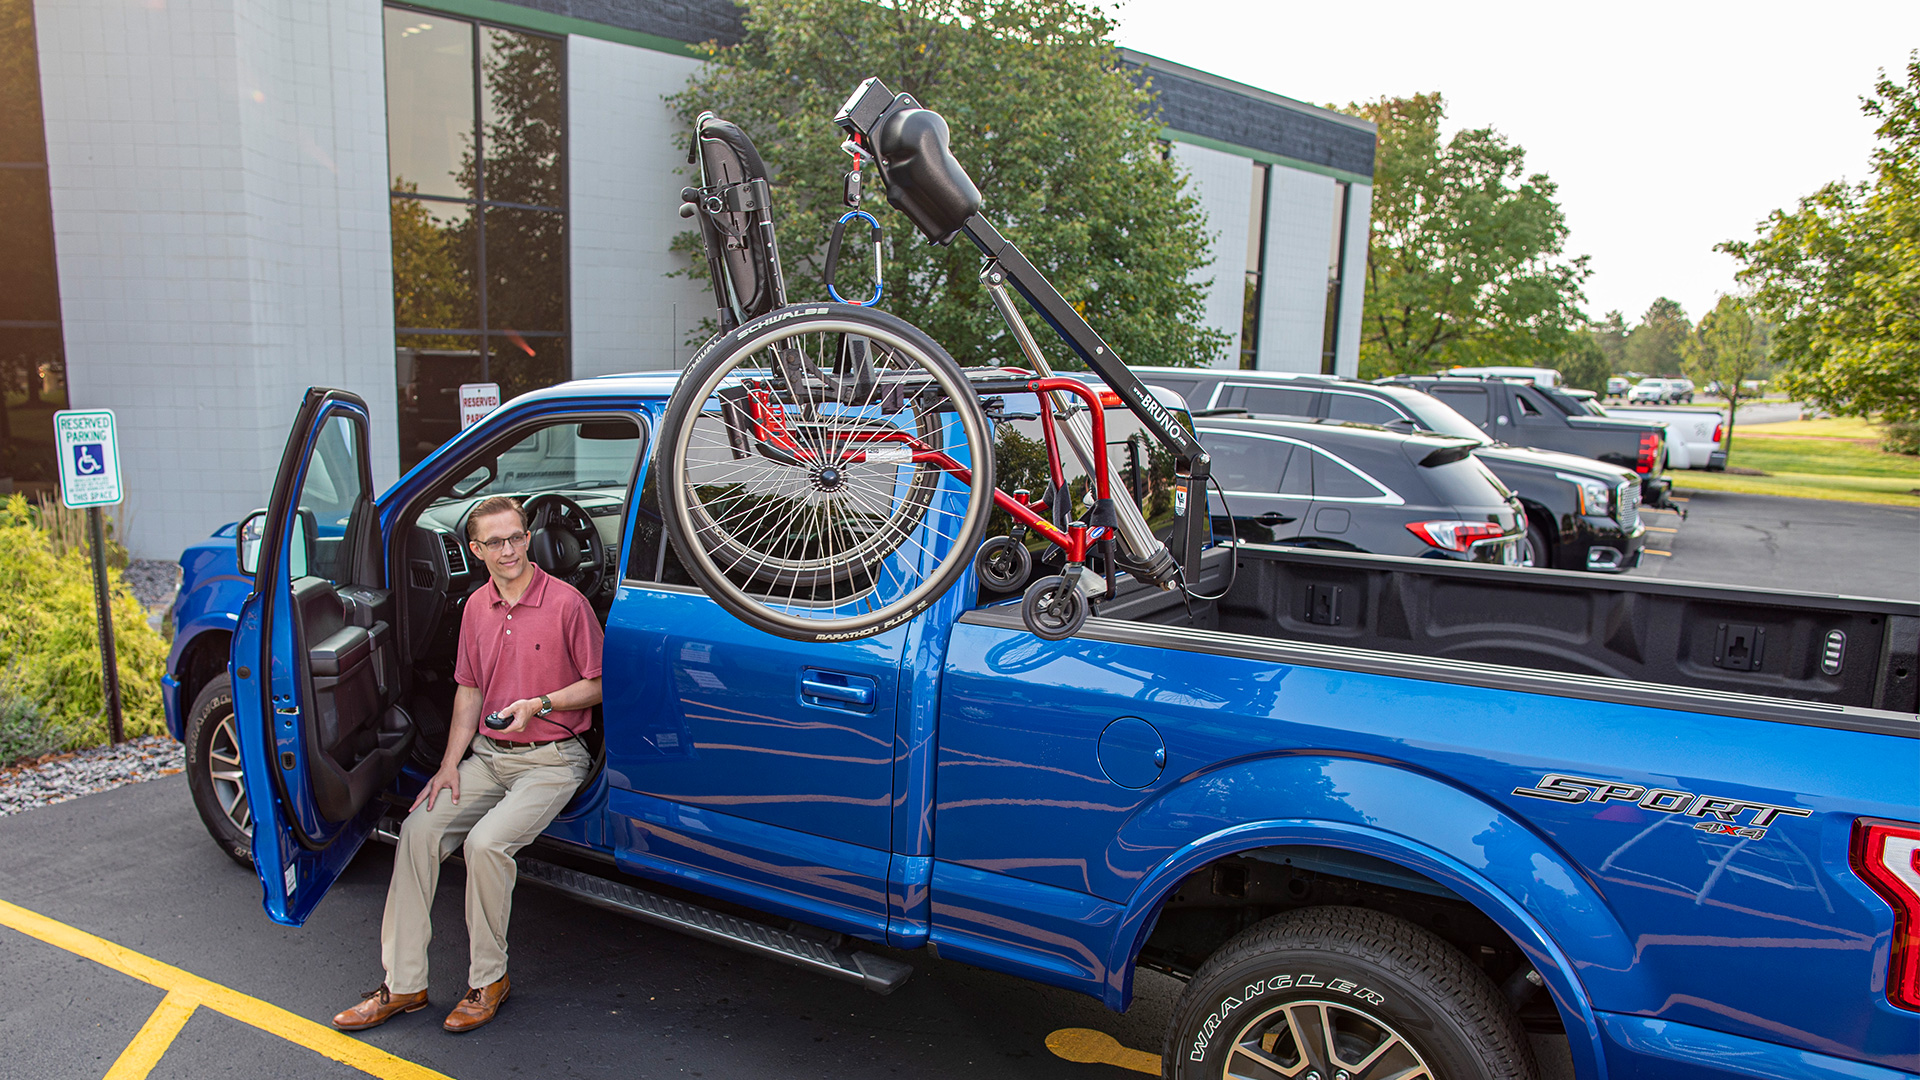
{"x": 546, "y": 705}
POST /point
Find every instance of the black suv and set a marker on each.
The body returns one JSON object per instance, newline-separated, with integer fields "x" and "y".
{"x": 1359, "y": 487}
{"x": 1582, "y": 514}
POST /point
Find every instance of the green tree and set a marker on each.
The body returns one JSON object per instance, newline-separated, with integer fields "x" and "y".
{"x": 1653, "y": 347}
{"x": 1063, "y": 146}
{"x": 1840, "y": 277}
{"x": 1611, "y": 334}
{"x": 1466, "y": 263}
{"x": 1583, "y": 363}
{"x": 1724, "y": 351}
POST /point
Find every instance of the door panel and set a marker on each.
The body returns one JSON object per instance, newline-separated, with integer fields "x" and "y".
{"x": 779, "y": 741}
{"x": 313, "y": 664}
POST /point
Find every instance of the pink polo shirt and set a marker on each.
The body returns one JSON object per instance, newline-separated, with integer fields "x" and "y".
{"x": 549, "y": 640}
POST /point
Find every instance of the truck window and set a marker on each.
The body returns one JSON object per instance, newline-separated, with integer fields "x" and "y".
{"x": 330, "y": 492}
{"x": 1468, "y": 401}
{"x": 1362, "y": 410}
{"x": 1528, "y": 408}
{"x": 1188, "y": 389}
{"x": 1020, "y": 462}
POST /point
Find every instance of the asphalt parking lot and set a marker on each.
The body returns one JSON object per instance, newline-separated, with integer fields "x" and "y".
{"x": 1804, "y": 545}
{"x": 595, "y": 994}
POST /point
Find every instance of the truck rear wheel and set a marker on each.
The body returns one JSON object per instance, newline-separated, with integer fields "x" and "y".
{"x": 1338, "y": 992}
{"x": 213, "y": 771}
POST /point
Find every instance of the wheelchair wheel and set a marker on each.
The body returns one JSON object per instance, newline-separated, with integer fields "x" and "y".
{"x": 1003, "y": 564}
{"x": 1052, "y": 610}
{"x": 825, "y": 471}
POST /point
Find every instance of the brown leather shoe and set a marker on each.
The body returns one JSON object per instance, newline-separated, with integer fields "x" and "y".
{"x": 477, "y": 1007}
{"x": 377, "y": 1007}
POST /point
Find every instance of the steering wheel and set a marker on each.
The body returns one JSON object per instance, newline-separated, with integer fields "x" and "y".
{"x": 564, "y": 542}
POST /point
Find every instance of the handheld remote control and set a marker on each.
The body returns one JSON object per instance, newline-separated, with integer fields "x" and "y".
{"x": 498, "y": 722}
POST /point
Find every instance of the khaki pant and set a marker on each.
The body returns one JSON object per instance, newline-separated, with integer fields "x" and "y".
{"x": 507, "y": 797}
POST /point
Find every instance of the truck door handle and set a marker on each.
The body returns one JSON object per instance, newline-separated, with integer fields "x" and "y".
{"x": 1274, "y": 517}
{"x": 833, "y": 690}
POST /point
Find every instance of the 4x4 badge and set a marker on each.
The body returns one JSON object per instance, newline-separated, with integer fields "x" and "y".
{"x": 1725, "y": 813}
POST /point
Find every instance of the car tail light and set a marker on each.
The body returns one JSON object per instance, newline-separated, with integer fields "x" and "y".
{"x": 1110, "y": 399}
{"x": 1719, "y": 431}
{"x": 1649, "y": 452}
{"x": 1455, "y": 535}
{"x": 1886, "y": 855}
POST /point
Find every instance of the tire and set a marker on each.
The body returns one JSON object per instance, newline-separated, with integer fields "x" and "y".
{"x": 1053, "y": 611}
{"x": 1379, "y": 989}
{"x": 777, "y": 519}
{"x": 1539, "y": 552}
{"x": 213, "y": 771}
{"x": 1003, "y": 564}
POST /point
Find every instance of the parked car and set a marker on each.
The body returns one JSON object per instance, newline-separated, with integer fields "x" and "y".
{"x": 1694, "y": 434}
{"x": 1582, "y": 514}
{"x": 1358, "y": 487}
{"x": 1661, "y": 392}
{"x": 1617, "y": 386}
{"x": 1509, "y": 410}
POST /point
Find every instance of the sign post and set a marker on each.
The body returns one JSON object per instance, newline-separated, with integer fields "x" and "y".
{"x": 90, "y": 478}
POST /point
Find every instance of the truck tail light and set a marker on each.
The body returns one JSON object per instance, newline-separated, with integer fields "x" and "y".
{"x": 1649, "y": 452}
{"x": 1719, "y": 431}
{"x": 1455, "y": 535}
{"x": 1886, "y": 855}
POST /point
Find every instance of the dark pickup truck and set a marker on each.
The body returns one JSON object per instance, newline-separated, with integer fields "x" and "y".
{"x": 1515, "y": 411}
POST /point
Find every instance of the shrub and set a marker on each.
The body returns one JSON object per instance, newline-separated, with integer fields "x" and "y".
{"x": 24, "y": 732}
{"x": 48, "y": 635}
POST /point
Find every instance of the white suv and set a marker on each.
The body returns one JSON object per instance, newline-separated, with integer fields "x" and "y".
{"x": 1654, "y": 391}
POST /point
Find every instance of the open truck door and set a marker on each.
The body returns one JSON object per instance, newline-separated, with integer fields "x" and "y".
{"x": 313, "y": 664}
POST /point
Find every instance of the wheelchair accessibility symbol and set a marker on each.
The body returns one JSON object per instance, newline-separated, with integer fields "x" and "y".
{"x": 89, "y": 459}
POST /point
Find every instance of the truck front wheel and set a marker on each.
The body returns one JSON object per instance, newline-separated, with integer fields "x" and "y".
{"x": 213, "y": 771}
{"x": 1343, "y": 993}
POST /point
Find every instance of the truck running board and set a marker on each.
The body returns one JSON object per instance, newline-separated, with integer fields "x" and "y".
{"x": 876, "y": 973}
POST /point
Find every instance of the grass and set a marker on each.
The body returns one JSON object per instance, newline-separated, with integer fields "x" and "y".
{"x": 1814, "y": 468}
{"x": 1845, "y": 427}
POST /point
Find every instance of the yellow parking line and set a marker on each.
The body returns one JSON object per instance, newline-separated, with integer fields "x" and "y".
{"x": 1660, "y": 528}
{"x": 1662, "y": 554}
{"x": 144, "y": 1052}
{"x": 1092, "y": 1047}
{"x": 192, "y": 988}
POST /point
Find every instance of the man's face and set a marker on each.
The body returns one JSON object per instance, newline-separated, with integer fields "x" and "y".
{"x": 500, "y": 541}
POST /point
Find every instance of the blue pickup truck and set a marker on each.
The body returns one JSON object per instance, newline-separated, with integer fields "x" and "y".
{"x": 1385, "y": 816}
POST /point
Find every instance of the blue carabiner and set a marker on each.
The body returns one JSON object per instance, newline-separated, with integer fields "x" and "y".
{"x": 833, "y": 257}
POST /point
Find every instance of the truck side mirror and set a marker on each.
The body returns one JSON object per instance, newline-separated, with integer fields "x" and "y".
{"x": 246, "y": 542}
{"x": 253, "y": 528}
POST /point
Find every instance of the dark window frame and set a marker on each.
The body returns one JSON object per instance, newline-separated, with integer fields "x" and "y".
{"x": 488, "y": 338}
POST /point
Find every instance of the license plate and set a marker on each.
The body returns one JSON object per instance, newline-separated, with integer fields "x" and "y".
{"x": 1510, "y": 555}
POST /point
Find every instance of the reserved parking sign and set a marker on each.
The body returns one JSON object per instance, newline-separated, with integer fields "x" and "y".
{"x": 89, "y": 457}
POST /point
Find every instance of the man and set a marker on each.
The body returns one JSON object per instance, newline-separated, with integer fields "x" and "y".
{"x": 529, "y": 653}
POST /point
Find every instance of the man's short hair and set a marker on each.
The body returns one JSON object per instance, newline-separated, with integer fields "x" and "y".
{"x": 494, "y": 504}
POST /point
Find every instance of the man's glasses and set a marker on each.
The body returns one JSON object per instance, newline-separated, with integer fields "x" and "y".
{"x": 494, "y": 546}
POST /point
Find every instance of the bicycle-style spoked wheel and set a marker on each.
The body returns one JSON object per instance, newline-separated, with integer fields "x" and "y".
{"x": 825, "y": 471}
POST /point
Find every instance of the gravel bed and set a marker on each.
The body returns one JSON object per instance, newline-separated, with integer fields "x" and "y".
{"x": 153, "y": 582}
{"x": 60, "y": 777}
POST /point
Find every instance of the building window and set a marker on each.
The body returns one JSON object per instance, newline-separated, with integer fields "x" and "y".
{"x": 33, "y": 369}
{"x": 1336, "y": 276}
{"x": 476, "y": 144}
{"x": 1256, "y": 265}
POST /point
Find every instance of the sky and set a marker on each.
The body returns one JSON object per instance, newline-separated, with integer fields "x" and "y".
{"x": 1669, "y": 127}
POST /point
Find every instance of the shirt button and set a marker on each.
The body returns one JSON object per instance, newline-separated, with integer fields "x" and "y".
{"x": 509, "y": 618}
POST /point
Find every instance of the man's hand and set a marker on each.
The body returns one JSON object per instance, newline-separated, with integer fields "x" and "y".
{"x": 448, "y": 778}
{"x": 522, "y": 712}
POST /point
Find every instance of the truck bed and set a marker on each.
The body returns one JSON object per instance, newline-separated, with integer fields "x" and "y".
{"x": 1746, "y": 650}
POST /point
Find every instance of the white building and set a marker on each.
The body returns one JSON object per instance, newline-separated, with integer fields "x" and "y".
{"x": 231, "y": 200}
